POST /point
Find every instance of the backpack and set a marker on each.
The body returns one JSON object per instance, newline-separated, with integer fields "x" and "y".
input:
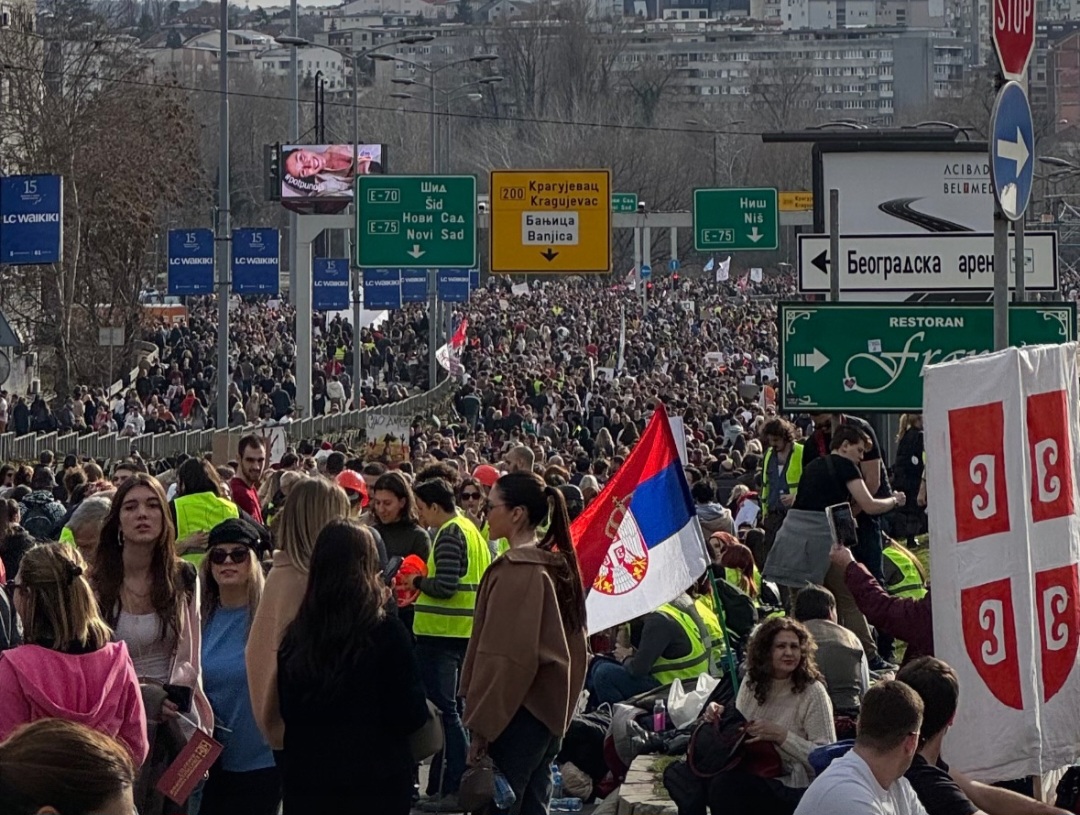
{"x": 38, "y": 521}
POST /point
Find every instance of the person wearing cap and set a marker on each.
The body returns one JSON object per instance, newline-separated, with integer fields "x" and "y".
{"x": 245, "y": 777}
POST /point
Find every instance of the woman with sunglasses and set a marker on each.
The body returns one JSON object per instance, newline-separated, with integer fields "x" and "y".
{"x": 245, "y": 777}
{"x": 67, "y": 667}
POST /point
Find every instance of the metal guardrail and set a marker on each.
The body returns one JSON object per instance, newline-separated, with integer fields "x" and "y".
{"x": 153, "y": 446}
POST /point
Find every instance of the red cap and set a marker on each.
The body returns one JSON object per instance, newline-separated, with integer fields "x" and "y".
{"x": 486, "y": 475}
{"x": 352, "y": 481}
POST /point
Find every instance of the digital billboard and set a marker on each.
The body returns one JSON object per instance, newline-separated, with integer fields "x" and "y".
{"x": 325, "y": 172}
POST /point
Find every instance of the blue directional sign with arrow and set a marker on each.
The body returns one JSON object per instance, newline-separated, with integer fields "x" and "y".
{"x": 1012, "y": 141}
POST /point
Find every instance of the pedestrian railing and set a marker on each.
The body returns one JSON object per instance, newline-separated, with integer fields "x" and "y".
{"x": 156, "y": 446}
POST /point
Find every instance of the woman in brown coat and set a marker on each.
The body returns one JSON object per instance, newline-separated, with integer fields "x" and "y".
{"x": 525, "y": 665}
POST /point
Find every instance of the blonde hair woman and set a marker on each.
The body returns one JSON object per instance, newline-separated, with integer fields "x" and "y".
{"x": 311, "y": 505}
{"x": 67, "y": 667}
{"x": 245, "y": 777}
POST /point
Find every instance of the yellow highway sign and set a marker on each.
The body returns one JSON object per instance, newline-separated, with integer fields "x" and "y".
{"x": 796, "y": 201}
{"x": 550, "y": 221}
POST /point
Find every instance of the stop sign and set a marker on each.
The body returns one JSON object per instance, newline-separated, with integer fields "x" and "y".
{"x": 1014, "y": 36}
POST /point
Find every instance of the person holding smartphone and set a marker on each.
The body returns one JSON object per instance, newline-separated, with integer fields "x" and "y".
{"x": 800, "y": 554}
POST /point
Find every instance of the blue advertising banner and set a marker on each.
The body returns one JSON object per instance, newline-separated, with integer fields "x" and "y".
{"x": 414, "y": 286}
{"x": 31, "y": 219}
{"x": 191, "y": 261}
{"x": 330, "y": 277}
{"x": 256, "y": 261}
{"x": 382, "y": 288}
{"x": 454, "y": 285}
{"x": 474, "y": 279}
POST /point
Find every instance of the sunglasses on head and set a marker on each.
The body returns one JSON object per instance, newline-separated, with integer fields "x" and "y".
{"x": 222, "y": 556}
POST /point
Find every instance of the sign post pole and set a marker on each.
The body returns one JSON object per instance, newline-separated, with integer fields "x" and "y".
{"x": 1020, "y": 294}
{"x": 646, "y": 260}
{"x": 834, "y": 245}
{"x": 637, "y": 264}
{"x": 224, "y": 234}
{"x": 1001, "y": 280}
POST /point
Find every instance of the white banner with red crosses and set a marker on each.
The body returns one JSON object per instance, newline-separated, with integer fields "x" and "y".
{"x": 1002, "y": 436}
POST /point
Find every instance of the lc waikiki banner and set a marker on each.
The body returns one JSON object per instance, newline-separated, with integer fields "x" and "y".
{"x": 1001, "y": 449}
{"x": 256, "y": 261}
{"x": 330, "y": 277}
{"x": 191, "y": 261}
{"x": 414, "y": 286}
{"x": 453, "y": 285}
{"x": 382, "y": 288}
{"x": 639, "y": 543}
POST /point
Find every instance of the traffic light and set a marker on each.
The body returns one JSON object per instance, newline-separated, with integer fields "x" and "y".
{"x": 272, "y": 172}
{"x": 675, "y": 280}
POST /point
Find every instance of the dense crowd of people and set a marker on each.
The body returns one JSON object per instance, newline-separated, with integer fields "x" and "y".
{"x": 318, "y": 613}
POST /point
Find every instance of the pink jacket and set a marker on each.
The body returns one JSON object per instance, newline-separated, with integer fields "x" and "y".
{"x": 98, "y": 690}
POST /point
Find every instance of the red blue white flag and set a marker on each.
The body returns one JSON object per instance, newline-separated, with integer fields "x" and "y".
{"x": 639, "y": 543}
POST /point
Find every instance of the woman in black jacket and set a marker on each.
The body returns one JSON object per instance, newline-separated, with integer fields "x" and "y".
{"x": 348, "y": 685}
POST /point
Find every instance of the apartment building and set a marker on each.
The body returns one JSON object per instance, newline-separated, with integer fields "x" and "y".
{"x": 870, "y": 75}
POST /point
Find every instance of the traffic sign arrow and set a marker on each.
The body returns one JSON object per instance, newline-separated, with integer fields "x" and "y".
{"x": 815, "y": 359}
{"x": 1015, "y": 151}
{"x": 754, "y": 235}
{"x": 549, "y": 255}
{"x": 822, "y": 261}
{"x": 416, "y": 251}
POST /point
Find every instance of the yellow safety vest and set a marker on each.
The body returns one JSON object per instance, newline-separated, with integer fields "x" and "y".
{"x": 453, "y": 617}
{"x": 339, "y": 353}
{"x": 734, "y": 577}
{"x": 201, "y": 512}
{"x": 910, "y": 583}
{"x": 793, "y": 474}
{"x": 690, "y": 666}
{"x": 67, "y": 536}
{"x": 502, "y": 545}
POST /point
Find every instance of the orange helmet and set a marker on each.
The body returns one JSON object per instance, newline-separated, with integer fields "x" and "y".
{"x": 352, "y": 482}
{"x": 486, "y": 475}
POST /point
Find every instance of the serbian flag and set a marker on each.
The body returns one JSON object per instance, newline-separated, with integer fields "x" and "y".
{"x": 639, "y": 543}
{"x": 448, "y": 355}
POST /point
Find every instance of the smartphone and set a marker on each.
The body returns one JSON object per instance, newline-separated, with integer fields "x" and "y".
{"x": 393, "y": 565}
{"x": 842, "y": 525}
{"x": 179, "y": 695}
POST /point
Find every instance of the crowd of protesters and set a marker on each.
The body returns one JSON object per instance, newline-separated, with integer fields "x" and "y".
{"x": 315, "y": 613}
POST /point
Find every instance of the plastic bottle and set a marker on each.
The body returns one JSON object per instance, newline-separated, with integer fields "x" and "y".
{"x": 556, "y": 781}
{"x": 504, "y": 793}
{"x": 659, "y": 716}
{"x": 565, "y": 805}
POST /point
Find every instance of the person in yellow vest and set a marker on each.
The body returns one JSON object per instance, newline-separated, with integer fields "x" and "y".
{"x": 904, "y": 575}
{"x": 665, "y": 645}
{"x": 198, "y": 507}
{"x": 443, "y": 623}
{"x": 780, "y": 473}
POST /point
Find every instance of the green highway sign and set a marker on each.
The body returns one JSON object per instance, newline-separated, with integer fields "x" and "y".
{"x": 736, "y": 220}
{"x": 416, "y": 221}
{"x": 863, "y": 357}
{"x": 624, "y": 202}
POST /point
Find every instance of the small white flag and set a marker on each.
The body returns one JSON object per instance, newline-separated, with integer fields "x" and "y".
{"x": 755, "y": 275}
{"x": 709, "y": 266}
{"x": 723, "y": 271}
{"x": 519, "y": 289}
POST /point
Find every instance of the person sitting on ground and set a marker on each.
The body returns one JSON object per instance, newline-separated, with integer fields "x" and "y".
{"x": 941, "y": 789}
{"x": 664, "y": 645}
{"x": 869, "y": 780}
{"x": 840, "y": 655}
{"x": 785, "y": 704}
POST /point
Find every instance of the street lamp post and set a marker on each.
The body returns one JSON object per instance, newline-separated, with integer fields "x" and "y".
{"x": 433, "y": 72}
{"x": 223, "y": 223}
{"x": 715, "y": 147}
{"x": 354, "y": 58}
